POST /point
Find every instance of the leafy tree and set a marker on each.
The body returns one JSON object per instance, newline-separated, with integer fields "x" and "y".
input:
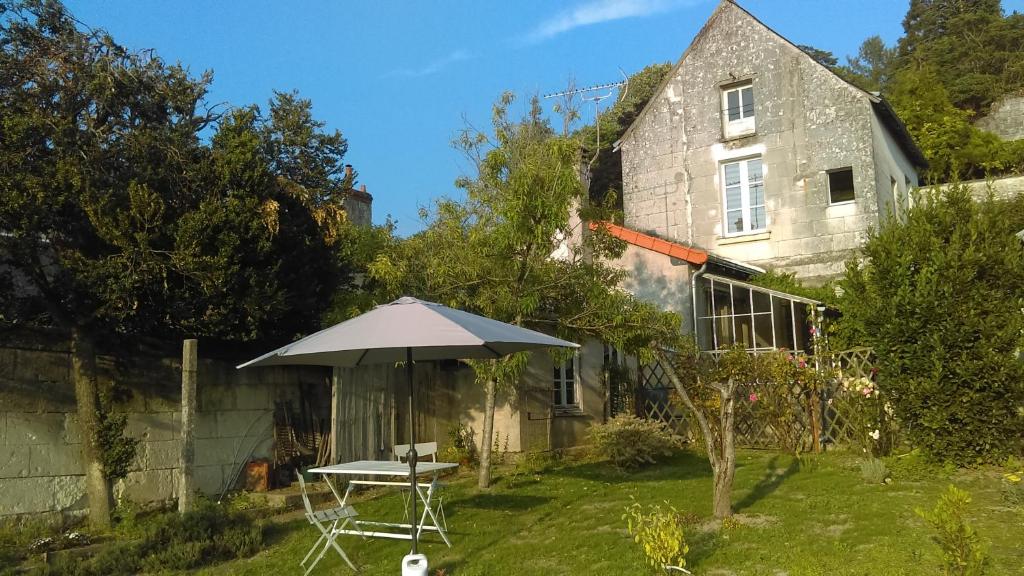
{"x": 96, "y": 146}
{"x": 263, "y": 245}
{"x": 118, "y": 221}
{"x": 937, "y": 297}
{"x": 873, "y": 65}
{"x": 823, "y": 57}
{"x": 954, "y": 148}
{"x": 975, "y": 50}
{"x": 493, "y": 253}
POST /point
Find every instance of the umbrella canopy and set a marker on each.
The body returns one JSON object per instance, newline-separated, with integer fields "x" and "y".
{"x": 409, "y": 330}
{"x": 386, "y": 333}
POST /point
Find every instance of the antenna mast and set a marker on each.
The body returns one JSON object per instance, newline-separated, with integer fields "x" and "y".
{"x": 596, "y": 99}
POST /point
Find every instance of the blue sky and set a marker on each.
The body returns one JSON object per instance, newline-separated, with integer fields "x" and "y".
{"x": 399, "y": 79}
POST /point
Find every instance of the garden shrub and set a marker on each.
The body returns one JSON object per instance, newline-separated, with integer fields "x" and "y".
{"x": 913, "y": 467}
{"x": 630, "y": 442}
{"x": 660, "y": 534}
{"x": 873, "y": 471}
{"x": 461, "y": 447}
{"x": 963, "y": 552}
{"x": 1012, "y": 485}
{"x": 938, "y": 298}
{"x": 168, "y": 541}
{"x": 775, "y": 377}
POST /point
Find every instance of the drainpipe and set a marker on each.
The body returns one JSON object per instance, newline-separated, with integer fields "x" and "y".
{"x": 693, "y": 294}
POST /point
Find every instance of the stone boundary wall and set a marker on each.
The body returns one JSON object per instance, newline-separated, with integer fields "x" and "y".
{"x": 41, "y": 470}
{"x": 1006, "y": 187}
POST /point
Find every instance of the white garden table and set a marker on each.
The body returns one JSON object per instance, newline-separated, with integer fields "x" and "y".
{"x": 426, "y": 492}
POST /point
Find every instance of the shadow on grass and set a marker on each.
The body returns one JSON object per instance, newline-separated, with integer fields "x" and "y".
{"x": 682, "y": 466}
{"x": 770, "y": 483}
{"x": 503, "y": 502}
{"x": 702, "y": 545}
{"x": 275, "y": 533}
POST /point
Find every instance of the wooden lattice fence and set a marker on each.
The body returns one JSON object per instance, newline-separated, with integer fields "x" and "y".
{"x": 829, "y": 409}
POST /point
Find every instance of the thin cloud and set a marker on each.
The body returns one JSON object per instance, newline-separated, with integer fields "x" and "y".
{"x": 596, "y": 12}
{"x": 431, "y": 67}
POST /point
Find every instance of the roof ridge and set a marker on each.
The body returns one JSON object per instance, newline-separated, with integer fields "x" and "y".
{"x": 873, "y": 98}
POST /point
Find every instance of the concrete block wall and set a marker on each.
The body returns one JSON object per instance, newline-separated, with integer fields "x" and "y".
{"x": 41, "y": 465}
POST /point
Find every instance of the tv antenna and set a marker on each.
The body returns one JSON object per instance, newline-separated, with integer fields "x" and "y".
{"x": 607, "y": 90}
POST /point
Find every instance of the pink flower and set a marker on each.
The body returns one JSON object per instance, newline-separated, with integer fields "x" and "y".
{"x": 753, "y": 396}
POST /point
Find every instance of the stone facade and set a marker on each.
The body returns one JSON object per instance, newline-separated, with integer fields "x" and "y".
{"x": 1006, "y": 118}
{"x": 808, "y": 122}
{"x": 41, "y": 471}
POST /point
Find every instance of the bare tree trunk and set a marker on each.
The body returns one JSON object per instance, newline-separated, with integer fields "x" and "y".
{"x": 83, "y": 367}
{"x": 484, "y": 480}
{"x": 722, "y": 503}
{"x": 726, "y": 469}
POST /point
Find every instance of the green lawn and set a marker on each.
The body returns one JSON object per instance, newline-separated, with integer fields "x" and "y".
{"x": 814, "y": 516}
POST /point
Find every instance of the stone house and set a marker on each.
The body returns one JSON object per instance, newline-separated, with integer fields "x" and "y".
{"x": 758, "y": 157}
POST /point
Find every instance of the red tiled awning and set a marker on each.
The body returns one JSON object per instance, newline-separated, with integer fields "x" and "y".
{"x": 672, "y": 249}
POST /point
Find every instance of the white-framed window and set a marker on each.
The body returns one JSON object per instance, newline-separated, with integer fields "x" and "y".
{"x": 840, "y": 186}
{"x": 738, "y": 110}
{"x": 743, "y": 197}
{"x": 565, "y": 391}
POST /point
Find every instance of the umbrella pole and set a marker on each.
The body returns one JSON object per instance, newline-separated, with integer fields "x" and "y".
{"x": 412, "y": 457}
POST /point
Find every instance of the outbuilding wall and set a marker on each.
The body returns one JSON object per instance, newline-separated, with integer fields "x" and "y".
{"x": 41, "y": 470}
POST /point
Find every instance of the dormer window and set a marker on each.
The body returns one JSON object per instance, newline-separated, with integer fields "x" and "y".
{"x": 738, "y": 110}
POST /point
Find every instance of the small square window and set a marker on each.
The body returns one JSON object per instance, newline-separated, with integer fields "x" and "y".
{"x": 738, "y": 110}
{"x": 840, "y": 186}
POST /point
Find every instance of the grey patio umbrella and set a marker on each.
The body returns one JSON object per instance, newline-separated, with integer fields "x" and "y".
{"x": 409, "y": 330}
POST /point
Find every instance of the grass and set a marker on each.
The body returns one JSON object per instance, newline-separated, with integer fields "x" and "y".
{"x": 798, "y": 517}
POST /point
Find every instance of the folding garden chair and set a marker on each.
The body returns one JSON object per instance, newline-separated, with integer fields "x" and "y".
{"x": 423, "y": 449}
{"x": 328, "y": 522}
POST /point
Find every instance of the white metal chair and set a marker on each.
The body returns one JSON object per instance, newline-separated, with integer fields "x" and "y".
{"x": 328, "y": 522}
{"x": 423, "y": 449}
{"x": 401, "y": 451}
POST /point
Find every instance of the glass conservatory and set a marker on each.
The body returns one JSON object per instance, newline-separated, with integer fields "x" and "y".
{"x": 730, "y": 311}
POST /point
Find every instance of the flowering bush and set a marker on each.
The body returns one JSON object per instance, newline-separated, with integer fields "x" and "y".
{"x": 870, "y": 416}
{"x": 786, "y": 387}
{"x": 630, "y": 442}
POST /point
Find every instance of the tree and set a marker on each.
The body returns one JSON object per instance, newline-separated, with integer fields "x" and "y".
{"x": 823, "y": 57}
{"x": 873, "y": 65}
{"x": 116, "y": 220}
{"x": 955, "y": 149}
{"x": 97, "y": 145}
{"x": 937, "y": 296}
{"x": 975, "y": 50}
{"x": 493, "y": 253}
{"x": 927, "y": 20}
{"x": 709, "y": 390}
{"x": 262, "y": 245}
